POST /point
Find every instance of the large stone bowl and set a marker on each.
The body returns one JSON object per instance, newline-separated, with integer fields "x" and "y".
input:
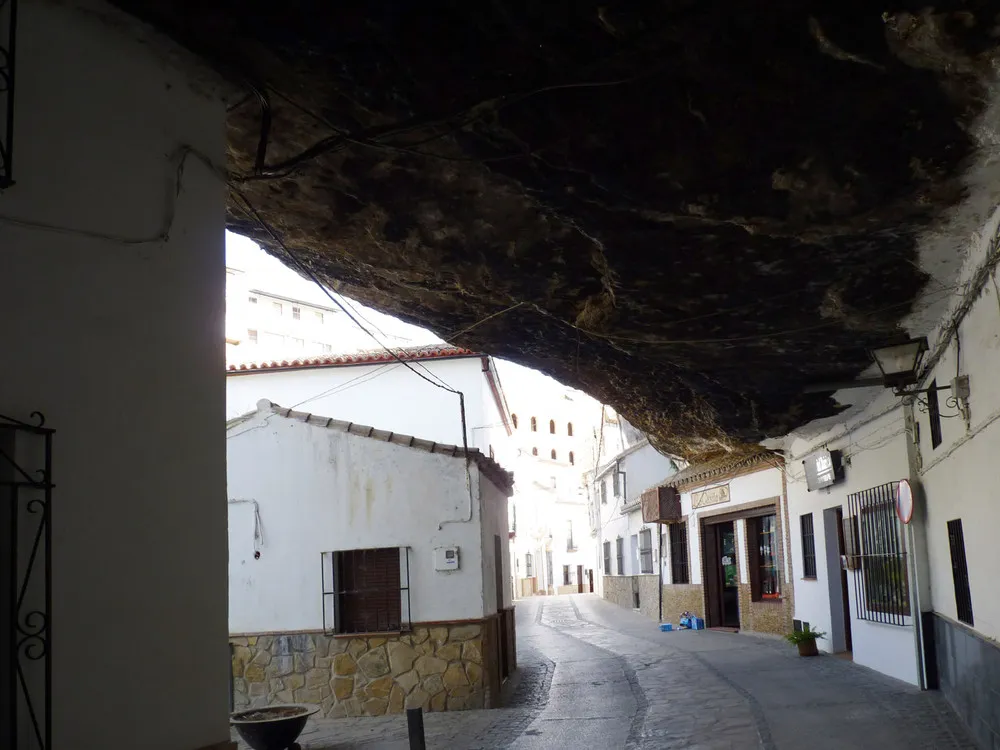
{"x": 272, "y": 727}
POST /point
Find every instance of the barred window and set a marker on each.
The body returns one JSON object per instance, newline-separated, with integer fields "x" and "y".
{"x": 679, "y": 571}
{"x": 882, "y": 592}
{"x": 366, "y": 590}
{"x": 620, "y": 555}
{"x": 808, "y": 546}
{"x": 607, "y": 558}
{"x": 645, "y": 551}
{"x": 529, "y": 565}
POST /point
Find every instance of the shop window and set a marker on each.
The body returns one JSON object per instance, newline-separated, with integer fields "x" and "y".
{"x": 679, "y": 572}
{"x": 363, "y": 591}
{"x": 960, "y": 571}
{"x": 808, "y": 546}
{"x": 646, "y": 551}
{"x": 762, "y": 544}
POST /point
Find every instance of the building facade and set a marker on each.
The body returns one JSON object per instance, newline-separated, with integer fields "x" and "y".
{"x": 419, "y": 397}
{"x": 917, "y": 600}
{"x": 368, "y": 570}
{"x": 726, "y": 559}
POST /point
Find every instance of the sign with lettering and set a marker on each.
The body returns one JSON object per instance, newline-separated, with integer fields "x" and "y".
{"x": 713, "y": 496}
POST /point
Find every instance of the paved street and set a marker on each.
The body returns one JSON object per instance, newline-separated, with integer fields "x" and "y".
{"x": 595, "y": 676}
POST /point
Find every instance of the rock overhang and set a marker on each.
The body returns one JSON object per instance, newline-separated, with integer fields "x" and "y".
{"x": 690, "y": 211}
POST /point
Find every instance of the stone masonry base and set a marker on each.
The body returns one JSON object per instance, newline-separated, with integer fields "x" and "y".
{"x": 438, "y": 668}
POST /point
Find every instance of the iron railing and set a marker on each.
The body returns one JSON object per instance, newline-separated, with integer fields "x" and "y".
{"x": 881, "y": 584}
{"x": 26, "y": 583}
{"x": 8, "y": 37}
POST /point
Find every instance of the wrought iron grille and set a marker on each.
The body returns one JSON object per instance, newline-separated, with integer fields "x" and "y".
{"x": 366, "y": 590}
{"x": 8, "y": 36}
{"x": 26, "y": 583}
{"x": 881, "y": 584}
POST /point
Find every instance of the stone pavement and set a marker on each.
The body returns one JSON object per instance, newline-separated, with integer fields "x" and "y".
{"x": 592, "y": 675}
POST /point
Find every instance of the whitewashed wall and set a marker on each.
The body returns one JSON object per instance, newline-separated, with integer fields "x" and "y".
{"x": 320, "y": 490}
{"x": 121, "y": 347}
{"x": 750, "y": 488}
{"x": 874, "y": 454}
{"x": 493, "y": 512}
{"x": 960, "y": 476}
{"x": 388, "y": 396}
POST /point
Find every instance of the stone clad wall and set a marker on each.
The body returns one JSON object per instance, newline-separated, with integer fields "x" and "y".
{"x": 618, "y": 590}
{"x": 682, "y": 597}
{"x": 773, "y": 617}
{"x": 649, "y": 596}
{"x": 437, "y": 668}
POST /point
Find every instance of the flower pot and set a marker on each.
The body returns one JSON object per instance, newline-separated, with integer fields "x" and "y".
{"x": 808, "y": 648}
{"x": 272, "y": 727}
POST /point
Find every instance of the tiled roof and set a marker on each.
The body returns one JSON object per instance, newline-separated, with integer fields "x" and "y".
{"x": 721, "y": 466}
{"x": 373, "y": 357}
{"x": 500, "y": 477}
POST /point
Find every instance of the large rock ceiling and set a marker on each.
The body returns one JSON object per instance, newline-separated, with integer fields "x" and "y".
{"x": 692, "y": 209}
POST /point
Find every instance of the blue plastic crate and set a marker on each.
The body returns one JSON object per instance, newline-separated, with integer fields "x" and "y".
{"x": 666, "y": 627}
{"x": 697, "y": 623}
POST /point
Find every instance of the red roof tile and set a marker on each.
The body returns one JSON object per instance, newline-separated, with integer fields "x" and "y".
{"x": 373, "y": 357}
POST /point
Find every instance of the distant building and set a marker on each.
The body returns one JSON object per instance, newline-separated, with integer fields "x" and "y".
{"x": 368, "y": 570}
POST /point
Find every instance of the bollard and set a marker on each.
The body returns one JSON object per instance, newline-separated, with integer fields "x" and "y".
{"x": 415, "y": 728}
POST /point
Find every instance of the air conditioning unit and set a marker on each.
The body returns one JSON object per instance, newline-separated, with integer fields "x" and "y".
{"x": 661, "y": 505}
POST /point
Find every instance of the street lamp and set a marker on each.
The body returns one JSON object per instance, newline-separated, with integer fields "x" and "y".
{"x": 899, "y": 363}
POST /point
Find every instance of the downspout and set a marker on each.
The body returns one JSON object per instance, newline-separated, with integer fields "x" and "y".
{"x": 917, "y": 554}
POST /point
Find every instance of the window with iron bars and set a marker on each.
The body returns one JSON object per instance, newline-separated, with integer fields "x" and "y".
{"x": 645, "y": 551}
{"x": 881, "y": 590}
{"x": 679, "y": 572}
{"x": 529, "y": 565}
{"x": 620, "y": 555}
{"x": 808, "y": 546}
{"x": 607, "y": 558}
{"x": 366, "y": 590}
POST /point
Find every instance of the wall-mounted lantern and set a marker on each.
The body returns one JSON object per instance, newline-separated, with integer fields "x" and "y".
{"x": 899, "y": 363}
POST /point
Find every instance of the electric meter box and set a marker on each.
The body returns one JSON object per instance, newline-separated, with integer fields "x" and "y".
{"x": 446, "y": 558}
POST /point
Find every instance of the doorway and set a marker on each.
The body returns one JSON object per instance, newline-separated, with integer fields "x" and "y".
{"x": 501, "y": 615}
{"x": 579, "y": 579}
{"x": 840, "y": 606}
{"x": 721, "y": 570}
{"x": 590, "y": 579}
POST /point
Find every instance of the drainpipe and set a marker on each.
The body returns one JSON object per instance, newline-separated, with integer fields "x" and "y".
{"x": 918, "y": 565}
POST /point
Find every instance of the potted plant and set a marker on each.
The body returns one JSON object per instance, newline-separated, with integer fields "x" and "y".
{"x": 272, "y": 727}
{"x": 805, "y": 639}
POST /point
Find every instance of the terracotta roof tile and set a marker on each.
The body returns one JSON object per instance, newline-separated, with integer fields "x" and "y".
{"x": 500, "y": 477}
{"x": 712, "y": 469}
{"x": 379, "y": 356}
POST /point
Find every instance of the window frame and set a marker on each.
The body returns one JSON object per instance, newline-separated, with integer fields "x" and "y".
{"x": 333, "y": 602}
{"x": 680, "y": 566}
{"x": 881, "y": 573}
{"x": 755, "y": 535}
{"x": 565, "y": 575}
{"x": 645, "y": 552}
{"x": 296, "y": 312}
{"x": 529, "y": 565}
{"x": 620, "y": 554}
{"x": 607, "y": 557}
{"x": 960, "y": 573}
{"x": 808, "y": 537}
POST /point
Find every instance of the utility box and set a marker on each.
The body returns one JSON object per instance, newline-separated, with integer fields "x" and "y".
{"x": 446, "y": 558}
{"x": 661, "y": 504}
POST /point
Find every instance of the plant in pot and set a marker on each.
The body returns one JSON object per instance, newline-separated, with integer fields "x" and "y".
{"x": 805, "y": 639}
{"x": 272, "y": 727}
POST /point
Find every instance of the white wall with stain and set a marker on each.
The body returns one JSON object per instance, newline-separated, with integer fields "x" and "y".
{"x": 320, "y": 490}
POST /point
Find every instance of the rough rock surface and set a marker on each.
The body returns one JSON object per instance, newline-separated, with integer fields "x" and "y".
{"x": 690, "y": 210}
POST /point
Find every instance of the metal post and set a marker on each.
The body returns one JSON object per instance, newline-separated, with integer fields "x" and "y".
{"x": 415, "y": 728}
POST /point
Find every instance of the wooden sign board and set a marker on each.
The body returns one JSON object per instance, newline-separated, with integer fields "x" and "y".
{"x": 713, "y": 496}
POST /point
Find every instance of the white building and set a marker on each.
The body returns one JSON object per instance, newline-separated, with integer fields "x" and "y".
{"x": 628, "y": 549}
{"x": 346, "y": 535}
{"x": 374, "y": 387}
{"x": 916, "y": 601}
{"x": 114, "y": 222}
{"x": 552, "y": 549}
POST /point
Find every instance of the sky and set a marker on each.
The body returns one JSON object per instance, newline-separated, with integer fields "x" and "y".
{"x": 266, "y": 272}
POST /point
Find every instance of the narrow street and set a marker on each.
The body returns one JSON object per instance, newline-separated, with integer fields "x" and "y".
{"x": 595, "y": 676}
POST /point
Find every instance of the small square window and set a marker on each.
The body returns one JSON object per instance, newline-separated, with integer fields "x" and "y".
{"x": 318, "y": 316}
{"x": 252, "y": 335}
{"x": 296, "y": 313}
{"x": 253, "y": 300}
